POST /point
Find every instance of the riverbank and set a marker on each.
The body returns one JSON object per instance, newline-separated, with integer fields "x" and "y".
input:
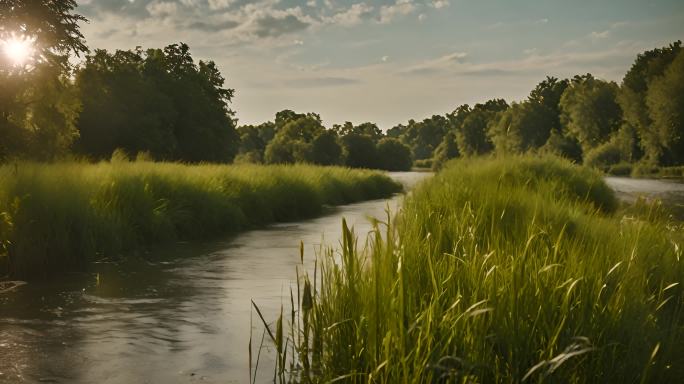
{"x": 502, "y": 270}
{"x": 60, "y": 217}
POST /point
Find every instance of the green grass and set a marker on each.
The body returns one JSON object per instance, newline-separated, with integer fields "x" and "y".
{"x": 506, "y": 270}
{"x": 60, "y": 217}
{"x": 645, "y": 170}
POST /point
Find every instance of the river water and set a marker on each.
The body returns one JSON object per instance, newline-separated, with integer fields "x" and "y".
{"x": 183, "y": 315}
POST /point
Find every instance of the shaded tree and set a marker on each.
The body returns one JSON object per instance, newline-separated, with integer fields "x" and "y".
{"x": 359, "y": 151}
{"x": 633, "y": 92}
{"x": 37, "y": 101}
{"x": 471, "y": 126}
{"x": 325, "y": 150}
{"x": 590, "y": 110}
{"x": 447, "y": 150}
{"x": 665, "y": 100}
{"x": 393, "y": 155}
{"x": 158, "y": 101}
{"x": 292, "y": 142}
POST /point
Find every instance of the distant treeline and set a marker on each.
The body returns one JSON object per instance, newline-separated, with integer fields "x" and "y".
{"x": 161, "y": 102}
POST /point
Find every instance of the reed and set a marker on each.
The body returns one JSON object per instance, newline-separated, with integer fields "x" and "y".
{"x": 60, "y": 217}
{"x": 514, "y": 269}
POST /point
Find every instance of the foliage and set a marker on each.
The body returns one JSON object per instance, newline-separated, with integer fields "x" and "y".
{"x": 158, "y": 101}
{"x": 590, "y": 110}
{"x": 632, "y": 97}
{"x": 501, "y": 270}
{"x": 472, "y": 124}
{"x": 447, "y": 150}
{"x": 325, "y": 150}
{"x": 359, "y": 151}
{"x": 85, "y": 212}
{"x": 37, "y": 102}
{"x": 293, "y": 138}
{"x": 393, "y": 155}
{"x": 665, "y": 100}
{"x": 424, "y": 136}
{"x": 563, "y": 145}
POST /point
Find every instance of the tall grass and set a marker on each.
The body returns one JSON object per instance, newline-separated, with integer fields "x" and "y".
{"x": 60, "y": 217}
{"x": 501, "y": 270}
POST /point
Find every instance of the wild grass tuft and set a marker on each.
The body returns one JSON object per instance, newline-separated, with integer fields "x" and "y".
{"x": 515, "y": 269}
{"x": 60, "y": 217}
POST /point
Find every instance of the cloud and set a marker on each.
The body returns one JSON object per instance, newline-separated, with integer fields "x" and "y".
{"x": 351, "y": 16}
{"x": 385, "y": 59}
{"x": 438, "y": 4}
{"x": 437, "y": 65}
{"x": 422, "y": 17}
{"x": 398, "y": 9}
{"x": 320, "y": 82}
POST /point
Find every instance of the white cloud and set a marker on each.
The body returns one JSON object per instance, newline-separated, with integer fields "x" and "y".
{"x": 422, "y": 17}
{"x": 352, "y": 16}
{"x": 385, "y": 59}
{"x": 399, "y": 8}
{"x": 162, "y": 9}
{"x": 438, "y": 4}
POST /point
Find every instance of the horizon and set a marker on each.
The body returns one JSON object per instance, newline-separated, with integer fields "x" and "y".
{"x": 366, "y": 61}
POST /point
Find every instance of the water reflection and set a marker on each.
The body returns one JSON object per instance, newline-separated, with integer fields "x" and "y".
{"x": 182, "y": 315}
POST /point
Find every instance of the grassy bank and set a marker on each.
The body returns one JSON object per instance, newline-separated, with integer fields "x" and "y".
{"x": 500, "y": 270}
{"x": 60, "y": 217}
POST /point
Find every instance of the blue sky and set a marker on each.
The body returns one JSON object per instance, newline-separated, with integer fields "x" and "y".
{"x": 392, "y": 60}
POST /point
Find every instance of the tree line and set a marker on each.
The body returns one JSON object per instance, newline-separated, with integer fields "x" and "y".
{"x": 164, "y": 103}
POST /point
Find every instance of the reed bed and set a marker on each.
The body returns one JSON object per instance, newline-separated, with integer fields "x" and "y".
{"x": 60, "y": 217}
{"x": 504, "y": 270}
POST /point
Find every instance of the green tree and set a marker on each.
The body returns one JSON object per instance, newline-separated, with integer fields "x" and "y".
{"x": 325, "y": 150}
{"x": 447, "y": 150}
{"x": 633, "y": 92}
{"x": 37, "y": 101}
{"x": 665, "y": 100}
{"x": 122, "y": 108}
{"x": 158, "y": 101}
{"x": 359, "y": 151}
{"x": 393, "y": 155}
{"x": 423, "y": 137}
{"x": 292, "y": 142}
{"x": 471, "y": 126}
{"x": 590, "y": 110}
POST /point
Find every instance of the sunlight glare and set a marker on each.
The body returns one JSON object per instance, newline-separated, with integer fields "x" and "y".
{"x": 18, "y": 49}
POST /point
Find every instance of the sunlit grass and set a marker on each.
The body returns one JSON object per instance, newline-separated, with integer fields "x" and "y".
{"x": 62, "y": 216}
{"x": 501, "y": 270}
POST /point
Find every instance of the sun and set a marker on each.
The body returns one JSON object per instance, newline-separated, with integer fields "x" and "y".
{"x": 18, "y": 50}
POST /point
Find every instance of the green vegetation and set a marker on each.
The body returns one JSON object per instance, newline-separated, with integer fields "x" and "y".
{"x": 515, "y": 269}
{"x": 161, "y": 102}
{"x": 60, "y": 217}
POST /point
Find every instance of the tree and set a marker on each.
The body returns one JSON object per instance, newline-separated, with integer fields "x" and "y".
{"x": 472, "y": 124}
{"x": 393, "y": 155}
{"x": 292, "y": 142}
{"x": 590, "y": 110}
{"x": 37, "y": 102}
{"x": 633, "y": 92}
{"x": 359, "y": 151}
{"x": 520, "y": 128}
{"x": 325, "y": 150}
{"x": 423, "y": 137}
{"x": 447, "y": 150}
{"x": 665, "y": 100}
{"x": 158, "y": 101}
{"x": 122, "y": 108}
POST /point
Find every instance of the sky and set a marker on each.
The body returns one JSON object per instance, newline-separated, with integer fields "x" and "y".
{"x": 388, "y": 61}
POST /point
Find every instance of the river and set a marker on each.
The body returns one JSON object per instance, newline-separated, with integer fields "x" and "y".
{"x": 183, "y": 315}
{"x": 179, "y": 316}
